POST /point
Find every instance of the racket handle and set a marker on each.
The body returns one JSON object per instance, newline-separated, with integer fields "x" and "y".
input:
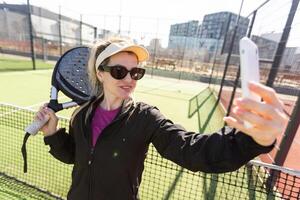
{"x": 35, "y": 126}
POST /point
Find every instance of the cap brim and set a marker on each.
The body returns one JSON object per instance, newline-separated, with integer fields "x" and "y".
{"x": 139, "y": 51}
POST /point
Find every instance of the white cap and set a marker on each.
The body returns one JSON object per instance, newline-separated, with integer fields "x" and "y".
{"x": 116, "y": 47}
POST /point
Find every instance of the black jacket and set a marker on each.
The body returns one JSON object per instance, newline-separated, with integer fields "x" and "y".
{"x": 113, "y": 168}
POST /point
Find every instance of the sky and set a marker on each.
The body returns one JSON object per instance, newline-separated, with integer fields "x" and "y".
{"x": 148, "y": 19}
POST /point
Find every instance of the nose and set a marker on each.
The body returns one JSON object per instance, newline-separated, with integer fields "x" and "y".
{"x": 128, "y": 78}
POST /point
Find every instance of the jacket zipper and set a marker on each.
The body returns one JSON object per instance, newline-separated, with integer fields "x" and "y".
{"x": 91, "y": 174}
{"x": 90, "y": 162}
{"x": 91, "y": 157}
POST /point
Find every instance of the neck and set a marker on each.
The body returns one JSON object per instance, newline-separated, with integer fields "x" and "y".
{"x": 110, "y": 103}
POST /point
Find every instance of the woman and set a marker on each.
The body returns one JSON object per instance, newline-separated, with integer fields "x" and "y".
{"x": 109, "y": 136}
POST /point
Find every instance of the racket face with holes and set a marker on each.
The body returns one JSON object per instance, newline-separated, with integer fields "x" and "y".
{"x": 70, "y": 75}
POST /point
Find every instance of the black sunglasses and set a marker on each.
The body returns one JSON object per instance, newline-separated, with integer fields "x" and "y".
{"x": 119, "y": 71}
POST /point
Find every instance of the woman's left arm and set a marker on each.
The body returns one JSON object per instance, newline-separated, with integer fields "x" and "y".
{"x": 227, "y": 149}
{"x": 267, "y": 117}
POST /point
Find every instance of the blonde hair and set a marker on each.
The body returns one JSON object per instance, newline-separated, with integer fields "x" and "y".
{"x": 96, "y": 49}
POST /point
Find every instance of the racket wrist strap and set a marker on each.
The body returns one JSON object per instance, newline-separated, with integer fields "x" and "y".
{"x": 54, "y": 105}
{"x": 24, "y": 152}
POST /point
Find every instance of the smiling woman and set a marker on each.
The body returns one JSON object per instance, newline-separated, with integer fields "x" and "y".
{"x": 109, "y": 136}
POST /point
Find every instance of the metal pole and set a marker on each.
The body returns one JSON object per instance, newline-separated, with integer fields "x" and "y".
{"x": 233, "y": 92}
{"x": 282, "y": 44}
{"x": 293, "y": 125}
{"x": 289, "y": 135}
{"x": 286, "y": 143}
{"x": 230, "y": 51}
{"x": 251, "y": 24}
{"x": 154, "y": 55}
{"x": 239, "y": 68}
{"x": 261, "y": 5}
{"x": 184, "y": 49}
{"x": 59, "y": 31}
{"x": 154, "y": 61}
{"x": 227, "y": 62}
{"x": 44, "y": 49}
{"x": 31, "y": 36}
{"x": 80, "y": 29}
{"x": 95, "y": 33}
{"x": 119, "y": 31}
{"x": 120, "y": 18}
{"x": 226, "y": 34}
{"x": 215, "y": 56}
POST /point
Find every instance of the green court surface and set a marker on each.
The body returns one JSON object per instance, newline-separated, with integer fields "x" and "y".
{"x": 31, "y": 89}
{"x": 12, "y": 189}
{"x": 10, "y": 63}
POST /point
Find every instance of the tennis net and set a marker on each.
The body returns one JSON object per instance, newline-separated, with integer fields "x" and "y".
{"x": 48, "y": 178}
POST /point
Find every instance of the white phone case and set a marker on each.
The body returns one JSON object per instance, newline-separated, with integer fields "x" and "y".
{"x": 249, "y": 60}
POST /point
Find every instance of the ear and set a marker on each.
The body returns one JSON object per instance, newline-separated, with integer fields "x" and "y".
{"x": 99, "y": 75}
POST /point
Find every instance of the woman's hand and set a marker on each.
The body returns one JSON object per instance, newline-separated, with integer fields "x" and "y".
{"x": 267, "y": 117}
{"x": 51, "y": 126}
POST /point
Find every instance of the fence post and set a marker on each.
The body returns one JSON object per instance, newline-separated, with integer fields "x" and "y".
{"x": 31, "y": 36}
{"x": 239, "y": 68}
{"x": 282, "y": 44}
{"x": 215, "y": 56}
{"x": 226, "y": 33}
{"x": 184, "y": 49}
{"x": 95, "y": 33}
{"x": 80, "y": 29}
{"x": 227, "y": 60}
{"x": 59, "y": 31}
{"x": 251, "y": 24}
{"x": 289, "y": 135}
{"x": 293, "y": 125}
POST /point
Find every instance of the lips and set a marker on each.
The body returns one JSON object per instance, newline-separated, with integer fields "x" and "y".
{"x": 127, "y": 88}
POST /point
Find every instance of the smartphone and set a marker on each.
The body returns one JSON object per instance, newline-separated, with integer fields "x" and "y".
{"x": 249, "y": 63}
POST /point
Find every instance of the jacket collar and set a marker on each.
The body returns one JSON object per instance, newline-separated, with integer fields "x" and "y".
{"x": 126, "y": 106}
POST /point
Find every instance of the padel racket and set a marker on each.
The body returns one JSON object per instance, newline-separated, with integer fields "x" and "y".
{"x": 71, "y": 78}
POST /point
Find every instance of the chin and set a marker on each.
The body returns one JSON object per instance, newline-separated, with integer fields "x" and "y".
{"x": 125, "y": 96}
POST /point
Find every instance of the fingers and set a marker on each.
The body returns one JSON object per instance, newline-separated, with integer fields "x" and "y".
{"x": 261, "y": 108}
{"x": 45, "y": 112}
{"x": 256, "y": 120}
{"x": 257, "y": 134}
{"x": 268, "y": 94}
{"x": 51, "y": 113}
{"x": 41, "y": 114}
{"x": 248, "y": 116}
{"x": 267, "y": 117}
{"x": 233, "y": 122}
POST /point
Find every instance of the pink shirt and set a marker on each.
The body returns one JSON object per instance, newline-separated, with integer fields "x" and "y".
{"x": 101, "y": 119}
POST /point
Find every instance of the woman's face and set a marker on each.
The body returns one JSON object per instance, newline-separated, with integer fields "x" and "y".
{"x": 119, "y": 89}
